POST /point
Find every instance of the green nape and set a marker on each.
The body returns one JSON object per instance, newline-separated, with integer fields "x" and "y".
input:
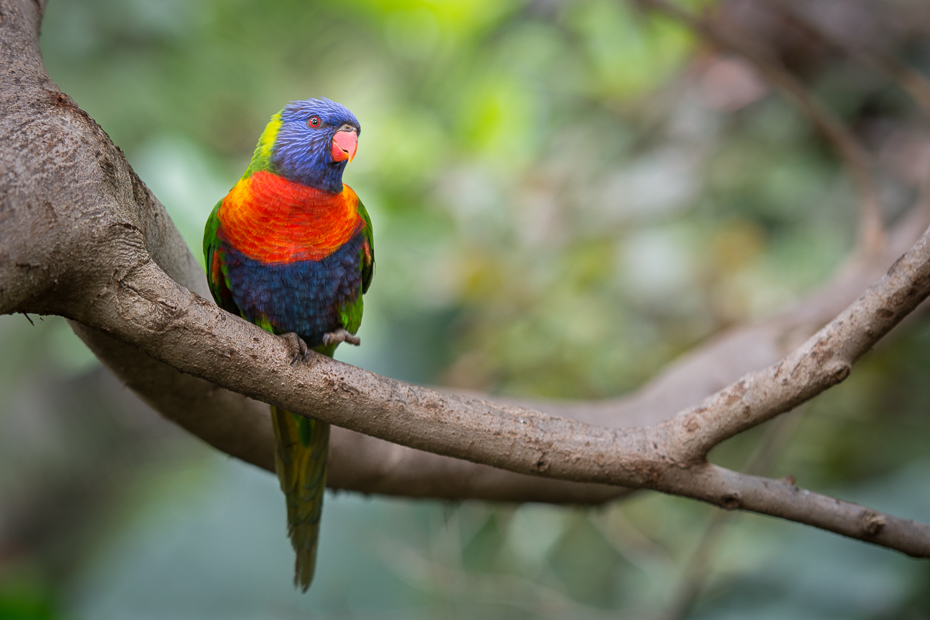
{"x": 261, "y": 157}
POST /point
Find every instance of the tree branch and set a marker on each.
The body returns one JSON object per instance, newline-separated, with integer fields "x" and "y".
{"x": 241, "y": 427}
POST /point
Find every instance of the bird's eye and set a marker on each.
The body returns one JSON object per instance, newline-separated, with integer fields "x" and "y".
{"x": 314, "y": 122}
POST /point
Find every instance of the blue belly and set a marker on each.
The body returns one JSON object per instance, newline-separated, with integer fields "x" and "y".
{"x": 303, "y": 297}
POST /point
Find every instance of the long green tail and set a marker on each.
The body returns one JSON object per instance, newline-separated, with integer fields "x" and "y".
{"x": 302, "y": 447}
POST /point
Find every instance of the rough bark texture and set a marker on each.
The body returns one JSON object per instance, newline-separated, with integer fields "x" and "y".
{"x": 82, "y": 237}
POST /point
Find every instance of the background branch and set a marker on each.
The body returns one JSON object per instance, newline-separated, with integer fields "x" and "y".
{"x": 850, "y": 150}
{"x": 911, "y": 81}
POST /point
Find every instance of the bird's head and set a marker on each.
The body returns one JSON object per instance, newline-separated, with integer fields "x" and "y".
{"x": 314, "y": 142}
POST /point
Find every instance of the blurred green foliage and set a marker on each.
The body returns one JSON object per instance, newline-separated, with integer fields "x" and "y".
{"x": 562, "y": 205}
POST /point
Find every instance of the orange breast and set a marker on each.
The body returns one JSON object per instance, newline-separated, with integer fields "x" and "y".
{"x": 273, "y": 220}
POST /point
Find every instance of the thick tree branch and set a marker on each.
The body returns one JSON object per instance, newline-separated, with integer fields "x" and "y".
{"x": 83, "y": 238}
{"x": 241, "y": 427}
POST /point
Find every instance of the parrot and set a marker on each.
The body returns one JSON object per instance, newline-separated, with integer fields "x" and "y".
{"x": 290, "y": 249}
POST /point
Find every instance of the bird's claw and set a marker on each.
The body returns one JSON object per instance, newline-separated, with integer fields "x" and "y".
{"x": 341, "y": 335}
{"x": 296, "y": 347}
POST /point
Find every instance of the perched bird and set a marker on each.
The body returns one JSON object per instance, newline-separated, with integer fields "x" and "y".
{"x": 290, "y": 249}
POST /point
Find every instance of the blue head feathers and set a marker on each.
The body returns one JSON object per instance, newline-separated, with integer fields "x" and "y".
{"x": 304, "y": 148}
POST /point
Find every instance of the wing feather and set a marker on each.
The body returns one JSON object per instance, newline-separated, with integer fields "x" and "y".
{"x": 214, "y": 260}
{"x": 368, "y": 261}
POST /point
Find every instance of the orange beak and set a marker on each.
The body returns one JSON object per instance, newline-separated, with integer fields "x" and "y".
{"x": 345, "y": 142}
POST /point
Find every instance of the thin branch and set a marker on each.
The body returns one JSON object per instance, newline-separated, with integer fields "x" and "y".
{"x": 823, "y": 361}
{"x": 848, "y": 147}
{"x": 910, "y": 80}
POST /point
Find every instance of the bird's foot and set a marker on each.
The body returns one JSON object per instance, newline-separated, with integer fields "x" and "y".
{"x": 340, "y": 335}
{"x": 296, "y": 347}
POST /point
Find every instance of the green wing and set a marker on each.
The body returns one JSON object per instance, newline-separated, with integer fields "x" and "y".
{"x": 351, "y": 313}
{"x": 216, "y": 269}
{"x": 368, "y": 263}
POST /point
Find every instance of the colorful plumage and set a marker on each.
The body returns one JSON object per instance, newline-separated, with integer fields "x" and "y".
{"x": 290, "y": 249}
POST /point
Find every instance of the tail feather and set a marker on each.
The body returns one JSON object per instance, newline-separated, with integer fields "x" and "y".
{"x": 302, "y": 446}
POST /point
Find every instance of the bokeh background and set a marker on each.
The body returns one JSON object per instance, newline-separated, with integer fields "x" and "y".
{"x": 566, "y": 196}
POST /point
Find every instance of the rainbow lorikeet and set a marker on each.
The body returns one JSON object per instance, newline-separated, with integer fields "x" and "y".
{"x": 290, "y": 249}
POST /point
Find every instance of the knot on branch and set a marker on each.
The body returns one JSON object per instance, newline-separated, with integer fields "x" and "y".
{"x": 542, "y": 463}
{"x": 872, "y": 523}
{"x": 731, "y": 500}
{"x": 838, "y": 372}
